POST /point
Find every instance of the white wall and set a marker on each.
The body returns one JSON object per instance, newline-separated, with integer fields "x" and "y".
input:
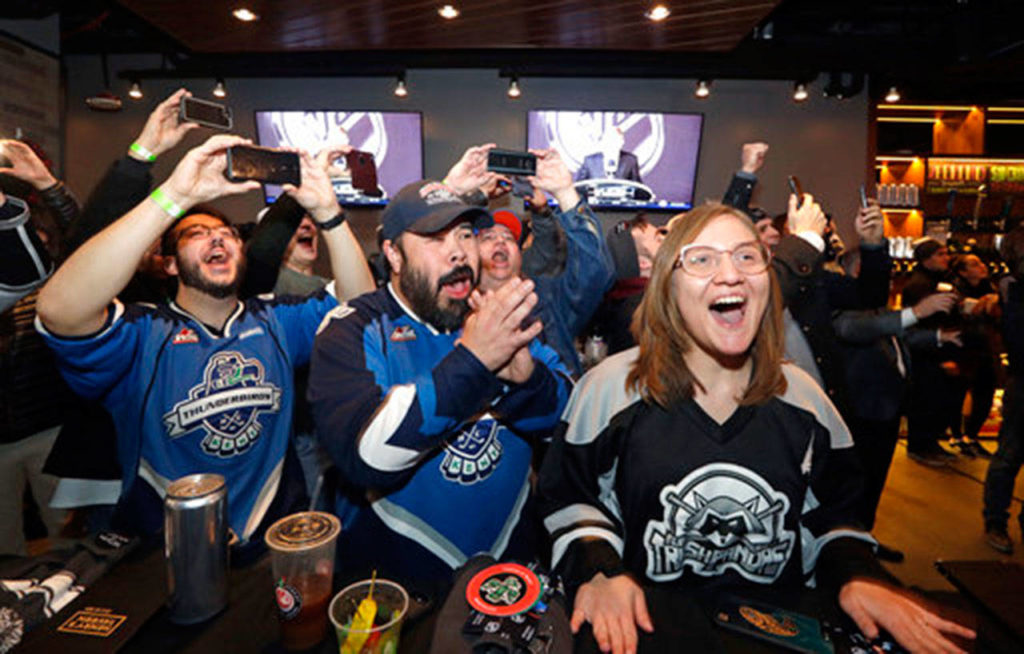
{"x": 822, "y": 141}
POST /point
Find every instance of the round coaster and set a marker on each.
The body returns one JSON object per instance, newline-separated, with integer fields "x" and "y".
{"x": 504, "y": 589}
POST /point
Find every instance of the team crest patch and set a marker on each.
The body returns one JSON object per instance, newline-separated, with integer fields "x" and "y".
{"x": 475, "y": 452}
{"x": 720, "y": 517}
{"x": 403, "y": 333}
{"x": 186, "y": 335}
{"x": 226, "y": 404}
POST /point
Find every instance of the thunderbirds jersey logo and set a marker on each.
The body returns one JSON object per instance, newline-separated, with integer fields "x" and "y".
{"x": 474, "y": 454}
{"x": 720, "y": 517}
{"x": 226, "y": 404}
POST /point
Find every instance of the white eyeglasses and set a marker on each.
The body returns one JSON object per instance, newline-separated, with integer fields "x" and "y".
{"x": 705, "y": 260}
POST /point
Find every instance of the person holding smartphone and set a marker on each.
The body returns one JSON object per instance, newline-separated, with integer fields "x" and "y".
{"x": 203, "y": 383}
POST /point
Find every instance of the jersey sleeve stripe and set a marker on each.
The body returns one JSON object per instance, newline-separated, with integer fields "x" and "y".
{"x": 812, "y": 547}
{"x": 563, "y": 542}
{"x": 574, "y": 514}
{"x": 374, "y": 449}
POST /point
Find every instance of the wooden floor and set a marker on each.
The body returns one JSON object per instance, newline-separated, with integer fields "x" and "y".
{"x": 933, "y": 513}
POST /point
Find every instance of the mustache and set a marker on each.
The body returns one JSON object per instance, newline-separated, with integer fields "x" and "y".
{"x": 456, "y": 274}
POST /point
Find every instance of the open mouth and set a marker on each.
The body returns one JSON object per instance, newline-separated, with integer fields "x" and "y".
{"x": 458, "y": 284}
{"x": 729, "y": 310}
{"x": 499, "y": 258}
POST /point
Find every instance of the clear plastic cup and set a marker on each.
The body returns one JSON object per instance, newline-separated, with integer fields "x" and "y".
{"x": 302, "y": 549}
{"x": 392, "y": 606}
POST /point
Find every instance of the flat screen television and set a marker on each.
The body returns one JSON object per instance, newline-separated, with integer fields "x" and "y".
{"x": 395, "y": 138}
{"x": 624, "y": 159}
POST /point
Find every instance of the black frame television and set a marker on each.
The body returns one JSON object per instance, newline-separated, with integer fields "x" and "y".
{"x": 624, "y": 160}
{"x": 395, "y": 138}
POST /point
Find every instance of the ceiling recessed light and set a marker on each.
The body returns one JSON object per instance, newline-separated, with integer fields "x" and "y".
{"x": 245, "y": 15}
{"x": 658, "y": 13}
{"x": 448, "y": 12}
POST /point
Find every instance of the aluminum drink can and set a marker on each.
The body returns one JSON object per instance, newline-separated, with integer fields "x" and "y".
{"x": 196, "y": 547}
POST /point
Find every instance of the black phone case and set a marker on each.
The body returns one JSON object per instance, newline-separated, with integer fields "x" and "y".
{"x": 509, "y": 162}
{"x": 262, "y": 165}
{"x": 185, "y": 118}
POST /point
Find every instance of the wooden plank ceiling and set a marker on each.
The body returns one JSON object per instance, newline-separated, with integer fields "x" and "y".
{"x": 207, "y": 26}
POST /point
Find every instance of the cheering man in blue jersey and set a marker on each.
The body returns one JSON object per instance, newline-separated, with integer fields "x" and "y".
{"x": 205, "y": 383}
{"x": 429, "y": 395}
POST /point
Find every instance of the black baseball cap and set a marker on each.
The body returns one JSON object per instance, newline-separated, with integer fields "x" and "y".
{"x": 427, "y": 207}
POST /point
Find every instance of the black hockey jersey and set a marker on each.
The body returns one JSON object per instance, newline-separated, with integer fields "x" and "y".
{"x": 682, "y": 499}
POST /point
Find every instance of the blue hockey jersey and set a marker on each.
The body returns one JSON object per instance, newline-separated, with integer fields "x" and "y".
{"x": 436, "y": 446}
{"x": 188, "y": 400}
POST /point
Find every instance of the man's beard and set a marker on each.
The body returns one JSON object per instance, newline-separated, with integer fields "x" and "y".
{"x": 424, "y": 299}
{"x": 190, "y": 274}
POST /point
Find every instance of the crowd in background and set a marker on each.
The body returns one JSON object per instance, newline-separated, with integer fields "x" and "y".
{"x": 415, "y": 392}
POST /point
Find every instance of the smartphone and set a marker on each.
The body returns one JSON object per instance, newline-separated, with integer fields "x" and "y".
{"x": 863, "y": 197}
{"x": 509, "y": 162}
{"x": 246, "y": 162}
{"x": 364, "y": 172}
{"x": 796, "y": 189}
{"x": 204, "y": 112}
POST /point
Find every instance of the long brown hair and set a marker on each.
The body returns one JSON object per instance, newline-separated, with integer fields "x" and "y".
{"x": 659, "y": 373}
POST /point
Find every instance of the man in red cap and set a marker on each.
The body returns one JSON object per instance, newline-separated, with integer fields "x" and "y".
{"x": 566, "y": 301}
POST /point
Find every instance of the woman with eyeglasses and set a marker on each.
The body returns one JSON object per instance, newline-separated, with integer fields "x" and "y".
{"x": 700, "y": 461}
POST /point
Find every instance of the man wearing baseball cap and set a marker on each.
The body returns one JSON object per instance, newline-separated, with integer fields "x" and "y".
{"x": 428, "y": 394}
{"x": 567, "y": 300}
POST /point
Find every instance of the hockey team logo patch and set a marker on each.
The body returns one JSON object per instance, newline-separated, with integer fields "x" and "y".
{"x": 720, "y": 517}
{"x": 474, "y": 454}
{"x": 227, "y": 404}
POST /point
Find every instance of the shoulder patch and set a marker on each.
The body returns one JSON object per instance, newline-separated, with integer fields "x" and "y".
{"x": 339, "y": 312}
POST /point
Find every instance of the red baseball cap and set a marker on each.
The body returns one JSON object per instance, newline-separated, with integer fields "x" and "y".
{"x": 510, "y": 220}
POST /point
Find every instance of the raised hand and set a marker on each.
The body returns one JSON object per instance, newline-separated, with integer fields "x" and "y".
{"x": 869, "y": 224}
{"x": 614, "y": 607}
{"x": 315, "y": 193}
{"x": 163, "y": 130}
{"x": 470, "y": 172}
{"x": 872, "y": 606}
{"x": 934, "y": 303}
{"x": 553, "y": 177}
{"x": 752, "y": 157}
{"x": 493, "y": 331}
{"x": 807, "y": 218}
{"x": 199, "y": 176}
{"x": 26, "y": 165}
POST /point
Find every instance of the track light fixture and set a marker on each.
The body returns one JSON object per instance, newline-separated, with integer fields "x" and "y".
{"x": 513, "y": 88}
{"x": 703, "y": 89}
{"x": 799, "y": 92}
{"x": 893, "y": 95}
{"x": 135, "y": 92}
{"x": 400, "y": 89}
{"x": 220, "y": 90}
